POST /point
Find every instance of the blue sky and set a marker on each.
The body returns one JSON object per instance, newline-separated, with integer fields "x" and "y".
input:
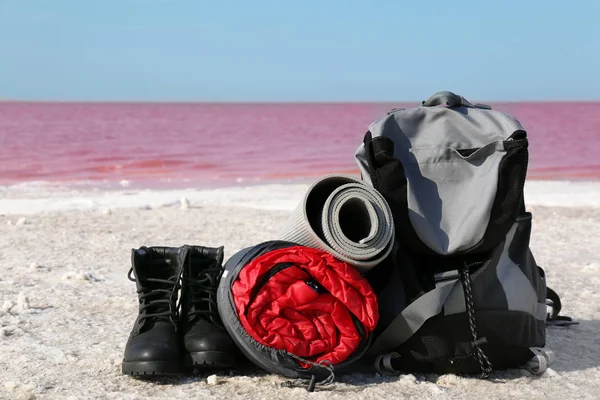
{"x": 303, "y": 50}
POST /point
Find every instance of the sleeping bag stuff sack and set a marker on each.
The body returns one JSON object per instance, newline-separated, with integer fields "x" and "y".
{"x": 345, "y": 217}
{"x": 296, "y": 311}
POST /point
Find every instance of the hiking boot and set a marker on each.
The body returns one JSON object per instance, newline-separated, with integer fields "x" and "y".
{"x": 206, "y": 342}
{"x": 154, "y": 345}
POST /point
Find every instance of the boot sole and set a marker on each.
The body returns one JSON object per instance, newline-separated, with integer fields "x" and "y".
{"x": 210, "y": 359}
{"x": 148, "y": 369}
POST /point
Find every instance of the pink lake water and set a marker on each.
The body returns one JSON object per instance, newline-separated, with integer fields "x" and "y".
{"x": 199, "y": 145}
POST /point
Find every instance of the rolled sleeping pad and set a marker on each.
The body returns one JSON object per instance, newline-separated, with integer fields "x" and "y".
{"x": 345, "y": 217}
{"x": 296, "y": 311}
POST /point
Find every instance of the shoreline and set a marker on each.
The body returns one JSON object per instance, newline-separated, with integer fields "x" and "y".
{"x": 35, "y": 199}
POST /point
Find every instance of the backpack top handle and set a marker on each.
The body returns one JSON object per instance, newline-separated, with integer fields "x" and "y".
{"x": 449, "y": 99}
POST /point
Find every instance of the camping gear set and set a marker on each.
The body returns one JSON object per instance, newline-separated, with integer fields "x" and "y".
{"x": 422, "y": 265}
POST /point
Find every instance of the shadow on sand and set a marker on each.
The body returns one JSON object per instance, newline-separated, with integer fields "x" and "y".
{"x": 577, "y": 348}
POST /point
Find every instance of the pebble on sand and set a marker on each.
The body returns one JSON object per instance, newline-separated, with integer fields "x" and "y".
{"x": 550, "y": 373}
{"x": 185, "y": 203}
{"x": 81, "y": 276}
{"x": 6, "y": 331}
{"x": 7, "y": 306}
{"x": 39, "y": 267}
{"x": 23, "y": 302}
{"x": 212, "y": 380}
{"x": 11, "y": 385}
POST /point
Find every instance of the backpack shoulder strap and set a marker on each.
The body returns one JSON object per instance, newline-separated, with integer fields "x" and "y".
{"x": 413, "y": 317}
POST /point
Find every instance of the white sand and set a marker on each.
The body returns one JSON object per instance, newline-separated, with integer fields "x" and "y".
{"x": 66, "y": 306}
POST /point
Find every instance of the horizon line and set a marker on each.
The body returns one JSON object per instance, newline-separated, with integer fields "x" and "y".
{"x": 271, "y": 102}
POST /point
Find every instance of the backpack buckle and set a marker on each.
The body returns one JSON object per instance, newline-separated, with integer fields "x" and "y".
{"x": 445, "y": 276}
{"x": 479, "y": 341}
{"x": 383, "y": 364}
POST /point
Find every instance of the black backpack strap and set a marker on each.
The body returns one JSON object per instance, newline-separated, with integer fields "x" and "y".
{"x": 412, "y": 318}
{"x": 553, "y": 318}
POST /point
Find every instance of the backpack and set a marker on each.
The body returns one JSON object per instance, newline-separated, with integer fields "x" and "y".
{"x": 461, "y": 291}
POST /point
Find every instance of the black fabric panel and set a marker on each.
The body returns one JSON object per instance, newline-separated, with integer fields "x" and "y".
{"x": 521, "y": 255}
{"x": 379, "y": 277}
{"x": 488, "y": 293}
{"x": 419, "y": 270}
{"x": 417, "y": 280}
{"x": 387, "y": 175}
{"x": 389, "y": 286}
{"x": 509, "y": 195}
{"x": 442, "y": 344}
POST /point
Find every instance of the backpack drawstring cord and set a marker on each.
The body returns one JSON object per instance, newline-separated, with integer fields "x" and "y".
{"x": 484, "y": 362}
{"x": 313, "y": 379}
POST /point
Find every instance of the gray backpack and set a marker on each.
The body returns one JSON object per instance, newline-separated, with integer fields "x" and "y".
{"x": 461, "y": 292}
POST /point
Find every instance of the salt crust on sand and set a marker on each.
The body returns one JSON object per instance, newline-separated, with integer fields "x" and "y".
{"x": 66, "y": 306}
{"x": 30, "y": 199}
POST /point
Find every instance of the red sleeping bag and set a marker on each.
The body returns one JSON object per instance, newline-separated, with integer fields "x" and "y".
{"x": 303, "y": 301}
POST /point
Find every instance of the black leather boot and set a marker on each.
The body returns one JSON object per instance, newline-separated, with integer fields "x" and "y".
{"x": 206, "y": 342}
{"x": 154, "y": 345}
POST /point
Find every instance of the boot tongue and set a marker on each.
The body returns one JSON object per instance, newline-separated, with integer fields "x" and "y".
{"x": 158, "y": 269}
{"x": 204, "y": 287}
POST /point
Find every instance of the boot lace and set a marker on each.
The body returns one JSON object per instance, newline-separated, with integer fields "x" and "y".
{"x": 151, "y": 298}
{"x": 203, "y": 295}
